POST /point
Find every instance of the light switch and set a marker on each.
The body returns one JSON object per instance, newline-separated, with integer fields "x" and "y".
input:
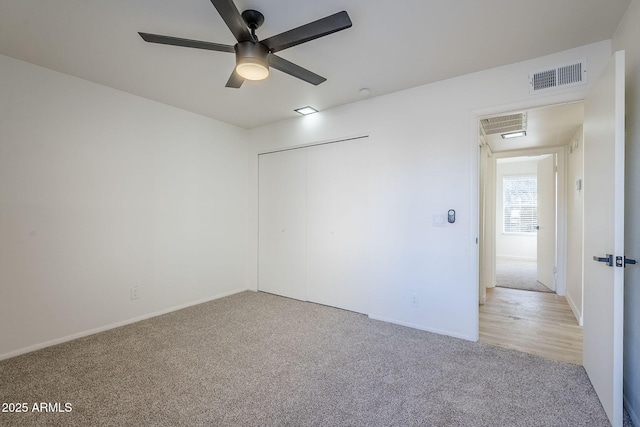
{"x": 439, "y": 220}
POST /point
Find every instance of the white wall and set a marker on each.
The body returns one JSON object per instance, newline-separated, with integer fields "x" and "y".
{"x": 102, "y": 190}
{"x": 575, "y": 171}
{"x": 626, "y": 37}
{"x": 513, "y": 246}
{"x": 424, "y": 159}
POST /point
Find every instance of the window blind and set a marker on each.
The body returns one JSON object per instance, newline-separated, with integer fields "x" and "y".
{"x": 520, "y": 198}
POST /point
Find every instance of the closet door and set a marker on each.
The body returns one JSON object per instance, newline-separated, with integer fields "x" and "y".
{"x": 337, "y": 225}
{"x": 282, "y": 224}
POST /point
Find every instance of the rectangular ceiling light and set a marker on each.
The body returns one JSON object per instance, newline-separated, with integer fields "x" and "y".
{"x": 514, "y": 134}
{"x": 305, "y": 111}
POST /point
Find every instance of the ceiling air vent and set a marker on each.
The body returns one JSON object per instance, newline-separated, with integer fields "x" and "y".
{"x": 559, "y": 77}
{"x": 504, "y": 124}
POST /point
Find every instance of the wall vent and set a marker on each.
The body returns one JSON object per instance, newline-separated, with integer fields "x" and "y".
{"x": 504, "y": 124}
{"x": 559, "y": 77}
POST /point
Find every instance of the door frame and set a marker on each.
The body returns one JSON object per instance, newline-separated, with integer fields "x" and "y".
{"x": 475, "y": 142}
{"x": 561, "y": 213}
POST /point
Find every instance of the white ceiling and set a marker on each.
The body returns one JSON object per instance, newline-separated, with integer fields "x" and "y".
{"x": 551, "y": 126}
{"x": 391, "y": 46}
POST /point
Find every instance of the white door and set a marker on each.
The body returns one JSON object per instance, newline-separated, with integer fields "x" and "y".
{"x": 603, "y": 235}
{"x": 282, "y": 223}
{"x": 546, "y": 184}
{"x": 337, "y": 225}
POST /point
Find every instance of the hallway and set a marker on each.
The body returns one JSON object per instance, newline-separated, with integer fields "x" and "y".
{"x": 518, "y": 274}
{"x": 538, "y": 323}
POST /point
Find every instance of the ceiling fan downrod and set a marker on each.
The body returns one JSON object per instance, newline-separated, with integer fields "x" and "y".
{"x": 254, "y": 20}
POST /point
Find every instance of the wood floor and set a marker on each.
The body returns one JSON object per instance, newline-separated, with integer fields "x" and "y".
{"x": 533, "y": 322}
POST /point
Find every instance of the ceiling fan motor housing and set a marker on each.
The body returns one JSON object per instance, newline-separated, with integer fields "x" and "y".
{"x": 252, "y": 60}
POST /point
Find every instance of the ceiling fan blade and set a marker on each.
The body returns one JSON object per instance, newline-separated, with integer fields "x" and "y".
{"x": 176, "y": 41}
{"x": 313, "y": 30}
{"x": 230, "y": 15}
{"x": 235, "y": 81}
{"x": 295, "y": 70}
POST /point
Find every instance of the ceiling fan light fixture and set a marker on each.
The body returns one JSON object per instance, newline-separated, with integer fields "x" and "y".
{"x": 252, "y": 70}
{"x": 252, "y": 60}
{"x": 254, "y": 57}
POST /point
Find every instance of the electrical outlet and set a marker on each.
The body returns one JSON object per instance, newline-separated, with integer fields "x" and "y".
{"x": 135, "y": 292}
{"x": 415, "y": 300}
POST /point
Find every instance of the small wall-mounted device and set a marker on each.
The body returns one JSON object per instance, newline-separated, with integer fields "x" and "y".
{"x": 451, "y": 216}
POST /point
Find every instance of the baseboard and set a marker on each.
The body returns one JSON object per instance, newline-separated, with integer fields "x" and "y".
{"x": 88, "y": 332}
{"x": 422, "y": 328}
{"x": 574, "y": 308}
{"x": 635, "y": 418}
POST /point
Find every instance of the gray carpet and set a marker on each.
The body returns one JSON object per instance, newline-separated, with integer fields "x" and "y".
{"x": 518, "y": 274}
{"x": 255, "y": 359}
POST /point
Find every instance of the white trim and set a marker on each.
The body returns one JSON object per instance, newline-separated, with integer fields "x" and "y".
{"x": 104, "y": 328}
{"x": 576, "y": 313}
{"x": 422, "y": 328}
{"x": 474, "y": 226}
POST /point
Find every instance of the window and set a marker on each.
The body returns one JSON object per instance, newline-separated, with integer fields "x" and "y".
{"x": 520, "y": 197}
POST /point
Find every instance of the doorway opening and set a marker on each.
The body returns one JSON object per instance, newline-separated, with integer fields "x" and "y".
{"x": 530, "y": 231}
{"x": 526, "y": 240}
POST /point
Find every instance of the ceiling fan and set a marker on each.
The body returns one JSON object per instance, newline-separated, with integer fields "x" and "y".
{"x": 253, "y": 56}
